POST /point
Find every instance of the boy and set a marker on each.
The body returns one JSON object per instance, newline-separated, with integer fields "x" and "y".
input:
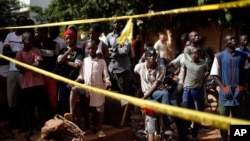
{"x": 195, "y": 73}
{"x": 94, "y": 73}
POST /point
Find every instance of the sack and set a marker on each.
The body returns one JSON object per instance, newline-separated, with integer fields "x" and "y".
{"x": 59, "y": 129}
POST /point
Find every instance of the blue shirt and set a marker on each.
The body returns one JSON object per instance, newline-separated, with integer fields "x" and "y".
{"x": 231, "y": 73}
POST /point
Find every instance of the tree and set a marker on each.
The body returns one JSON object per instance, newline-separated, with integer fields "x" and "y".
{"x": 40, "y": 14}
{"x": 7, "y": 12}
{"x": 88, "y": 9}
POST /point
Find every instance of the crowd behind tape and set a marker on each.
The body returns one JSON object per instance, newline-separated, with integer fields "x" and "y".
{"x": 187, "y": 114}
{"x": 210, "y": 7}
{"x": 214, "y": 120}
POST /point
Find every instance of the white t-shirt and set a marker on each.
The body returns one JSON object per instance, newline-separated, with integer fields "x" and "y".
{"x": 3, "y": 68}
{"x": 16, "y": 44}
{"x": 161, "y": 49}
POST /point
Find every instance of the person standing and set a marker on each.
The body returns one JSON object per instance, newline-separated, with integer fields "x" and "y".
{"x": 49, "y": 50}
{"x": 195, "y": 74}
{"x": 31, "y": 81}
{"x": 119, "y": 70}
{"x": 54, "y": 35}
{"x": 119, "y": 66}
{"x": 79, "y": 43}
{"x": 229, "y": 71}
{"x": 102, "y": 49}
{"x": 161, "y": 49}
{"x": 97, "y": 67}
{"x": 13, "y": 43}
{"x": 244, "y": 40}
{"x": 69, "y": 61}
{"x": 4, "y": 67}
{"x": 177, "y": 64}
{"x": 194, "y": 42}
{"x": 138, "y": 49}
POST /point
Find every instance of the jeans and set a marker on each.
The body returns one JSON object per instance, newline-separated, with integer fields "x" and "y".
{"x": 163, "y": 97}
{"x": 163, "y": 62}
{"x": 193, "y": 99}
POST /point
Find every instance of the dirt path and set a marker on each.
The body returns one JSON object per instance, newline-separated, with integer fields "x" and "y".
{"x": 210, "y": 134}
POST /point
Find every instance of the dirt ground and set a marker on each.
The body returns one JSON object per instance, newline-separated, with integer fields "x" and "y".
{"x": 208, "y": 134}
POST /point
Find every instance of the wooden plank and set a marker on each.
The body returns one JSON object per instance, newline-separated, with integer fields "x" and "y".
{"x": 116, "y": 112}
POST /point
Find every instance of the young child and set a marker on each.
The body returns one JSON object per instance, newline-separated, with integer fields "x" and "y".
{"x": 31, "y": 82}
{"x": 94, "y": 73}
{"x": 195, "y": 73}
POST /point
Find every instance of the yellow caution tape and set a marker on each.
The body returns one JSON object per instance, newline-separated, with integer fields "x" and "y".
{"x": 234, "y": 4}
{"x": 183, "y": 113}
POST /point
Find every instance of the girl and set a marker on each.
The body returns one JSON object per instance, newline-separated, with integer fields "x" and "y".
{"x": 69, "y": 62}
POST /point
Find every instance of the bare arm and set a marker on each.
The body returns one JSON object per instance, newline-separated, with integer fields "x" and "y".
{"x": 152, "y": 89}
{"x": 105, "y": 52}
{"x": 62, "y": 58}
{"x": 218, "y": 81}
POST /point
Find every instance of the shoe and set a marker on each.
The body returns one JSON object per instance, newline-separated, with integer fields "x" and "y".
{"x": 101, "y": 134}
{"x": 68, "y": 116}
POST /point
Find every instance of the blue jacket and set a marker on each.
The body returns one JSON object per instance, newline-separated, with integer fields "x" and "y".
{"x": 231, "y": 73}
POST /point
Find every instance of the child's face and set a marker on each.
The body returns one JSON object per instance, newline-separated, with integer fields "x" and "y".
{"x": 91, "y": 49}
{"x": 195, "y": 54}
{"x": 69, "y": 40}
{"x": 28, "y": 41}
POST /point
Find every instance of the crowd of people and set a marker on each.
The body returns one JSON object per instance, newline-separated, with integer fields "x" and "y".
{"x": 108, "y": 64}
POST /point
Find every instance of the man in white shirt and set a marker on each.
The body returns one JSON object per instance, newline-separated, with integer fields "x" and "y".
{"x": 12, "y": 44}
{"x": 161, "y": 48}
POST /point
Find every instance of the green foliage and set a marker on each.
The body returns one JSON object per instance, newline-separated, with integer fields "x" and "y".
{"x": 40, "y": 14}
{"x": 7, "y": 7}
{"x": 88, "y": 9}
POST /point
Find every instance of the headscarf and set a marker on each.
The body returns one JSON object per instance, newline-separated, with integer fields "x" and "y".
{"x": 70, "y": 33}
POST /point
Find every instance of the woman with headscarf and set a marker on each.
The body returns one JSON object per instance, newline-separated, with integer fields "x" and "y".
{"x": 69, "y": 61}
